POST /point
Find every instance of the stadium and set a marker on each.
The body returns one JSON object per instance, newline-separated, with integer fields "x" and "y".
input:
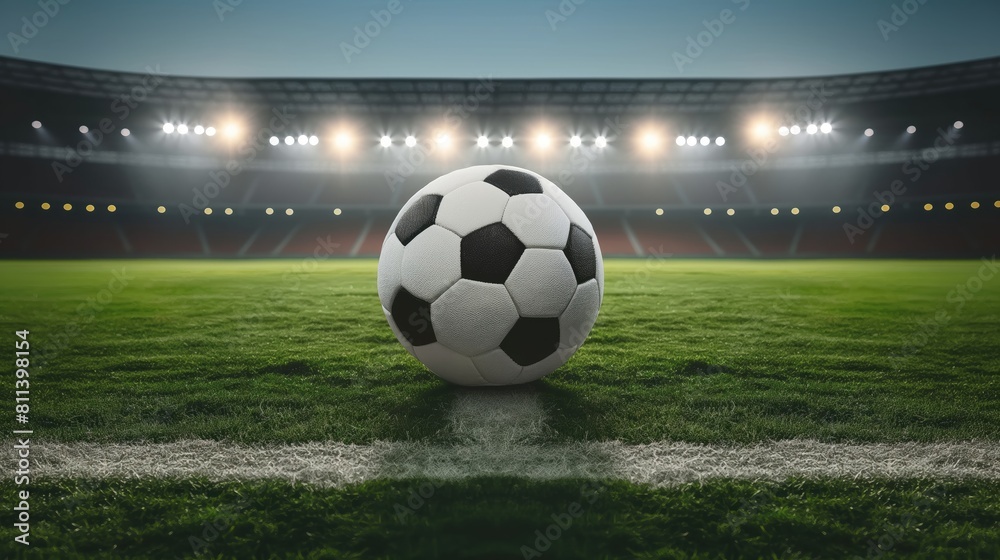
{"x": 795, "y": 356}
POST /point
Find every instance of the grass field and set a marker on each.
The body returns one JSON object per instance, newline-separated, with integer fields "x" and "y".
{"x": 709, "y": 352}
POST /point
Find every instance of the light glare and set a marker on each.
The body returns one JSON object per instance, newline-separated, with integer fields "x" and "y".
{"x": 385, "y": 141}
{"x": 575, "y": 141}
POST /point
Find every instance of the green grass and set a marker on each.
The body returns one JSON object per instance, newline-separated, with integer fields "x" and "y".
{"x": 701, "y": 351}
{"x": 494, "y": 518}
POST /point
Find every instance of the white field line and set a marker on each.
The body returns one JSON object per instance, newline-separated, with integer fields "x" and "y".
{"x": 505, "y": 433}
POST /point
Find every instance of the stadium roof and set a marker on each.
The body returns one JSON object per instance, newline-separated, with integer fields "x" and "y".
{"x": 509, "y": 96}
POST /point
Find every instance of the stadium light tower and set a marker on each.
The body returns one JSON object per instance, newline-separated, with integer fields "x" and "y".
{"x": 199, "y": 130}
{"x": 182, "y": 129}
{"x": 720, "y": 141}
{"x": 210, "y": 131}
{"x": 274, "y": 141}
{"x": 783, "y": 131}
{"x": 303, "y": 139}
{"x": 812, "y": 129}
{"x": 507, "y": 142}
{"x": 575, "y": 141}
{"x": 168, "y": 128}
{"x": 385, "y": 141}
{"x": 600, "y": 141}
{"x": 795, "y": 129}
{"x": 313, "y": 140}
{"x": 289, "y": 140}
{"x": 680, "y": 140}
{"x": 411, "y": 141}
{"x": 826, "y": 128}
{"x": 691, "y": 141}
{"x": 482, "y": 141}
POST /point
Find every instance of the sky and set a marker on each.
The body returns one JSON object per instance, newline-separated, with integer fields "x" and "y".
{"x": 502, "y": 38}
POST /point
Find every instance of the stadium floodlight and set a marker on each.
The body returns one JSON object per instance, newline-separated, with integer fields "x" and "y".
{"x": 691, "y": 140}
{"x": 774, "y": 211}
{"x": 928, "y": 206}
{"x": 313, "y": 140}
{"x": 232, "y": 130}
{"x": 336, "y": 211}
{"x": 126, "y": 132}
{"x": 575, "y": 141}
{"x": 19, "y": 205}
{"x": 885, "y": 207}
{"x": 680, "y": 140}
{"x": 795, "y": 129}
{"x": 67, "y": 207}
{"x": 543, "y": 141}
{"x": 208, "y": 211}
{"x": 974, "y": 205}
{"x": 783, "y": 131}
{"x": 199, "y": 130}
{"x": 210, "y": 131}
{"x": 507, "y": 142}
{"x": 168, "y": 128}
{"x": 996, "y": 204}
{"x": 84, "y": 129}
{"x": 289, "y": 212}
{"x": 229, "y": 211}
{"x": 708, "y": 211}
{"x": 659, "y": 211}
{"x": 443, "y": 140}
{"x": 720, "y": 141}
{"x": 836, "y": 209}
{"x": 161, "y": 209}
{"x": 795, "y": 211}
{"x": 36, "y": 124}
{"x": 482, "y": 141}
{"x": 46, "y": 206}
{"x": 958, "y": 125}
{"x": 342, "y": 140}
{"x": 274, "y": 141}
{"x": 949, "y": 205}
{"x": 812, "y": 129}
{"x": 650, "y": 141}
{"x": 761, "y": 130}
{"x": 303, "y": 139}
{"x": 289, "y": 140}
{"x": 730, "y": 211}
{"x": 911, "y": 129}
{"x": 269, "y": 211}
{"x": 826, "y": 128}
{"x": 182, "y": 129}
{"x": 600, "y": 141}
{"x": 385, "y": 141}
{"x": 705, "y": 140}
{"x": 411, "y": 141}
{"x": 869, "y": 132}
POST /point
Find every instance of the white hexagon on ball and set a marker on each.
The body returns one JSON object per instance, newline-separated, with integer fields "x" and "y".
{"x": 494, "y": 274}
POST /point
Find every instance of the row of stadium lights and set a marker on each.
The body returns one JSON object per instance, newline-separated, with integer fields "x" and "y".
{"x": 836, "y": 209}
{"x": 337, "y": 211}
{"x": 650, "y": 140}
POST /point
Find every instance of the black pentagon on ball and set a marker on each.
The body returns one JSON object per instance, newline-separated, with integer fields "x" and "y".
{"x": 412, "y": 316}
{"x": 514, "y": 182}
{"x": 531, "y": 340}
{"x": 490, "y": 253}
{"x": 417, "y": 218}
{"x": 580, "y": 253}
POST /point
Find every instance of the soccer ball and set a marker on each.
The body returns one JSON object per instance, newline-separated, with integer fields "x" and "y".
{"x": 491, "y": 275}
